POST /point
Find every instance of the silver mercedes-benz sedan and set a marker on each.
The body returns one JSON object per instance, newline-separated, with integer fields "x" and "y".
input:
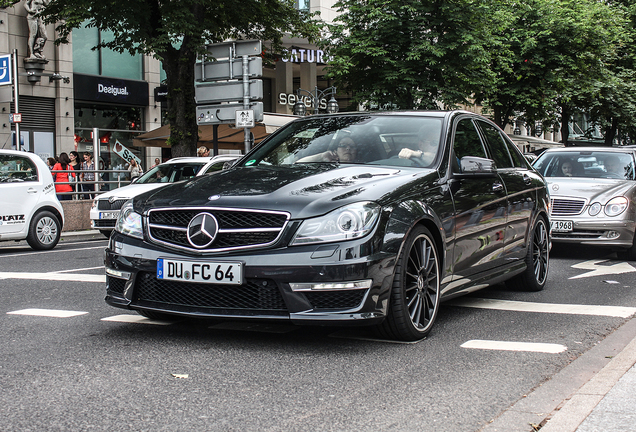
{"x": 593, "y": 195}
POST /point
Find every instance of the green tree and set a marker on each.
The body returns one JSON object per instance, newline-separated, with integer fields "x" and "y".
{"x": 174, "y": 32}
{"x": 409, "y": 54}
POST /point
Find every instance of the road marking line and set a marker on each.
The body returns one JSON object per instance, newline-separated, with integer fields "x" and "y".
{"x": 602, "y": 270}
{"x": 572, "y": 309}
{"x": 47, "y": 313}
{"x": 80, "y": 269}
{"x": 68, "y": 277}
{"x": 515, "y": 346}
{"x": 134, "y": 319}
{"x": 50, "y": 251}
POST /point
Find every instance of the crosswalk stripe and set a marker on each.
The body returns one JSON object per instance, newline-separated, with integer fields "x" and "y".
{"x": 68, "y": 277}
{"x": 47, "y": 313}
{"x": 515, "y": 346}
{"x": 572, "y": 309}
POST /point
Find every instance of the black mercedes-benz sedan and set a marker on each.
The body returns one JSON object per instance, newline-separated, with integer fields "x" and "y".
{"x": 352, "y": 218}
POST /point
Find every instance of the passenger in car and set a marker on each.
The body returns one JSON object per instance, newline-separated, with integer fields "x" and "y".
{"x": 345, "y": 150}
{"x": 567, "y": 168}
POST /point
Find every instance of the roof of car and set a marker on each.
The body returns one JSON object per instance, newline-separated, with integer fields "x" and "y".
{"x": 190, "y": 159}
{"x": 592, "y": 149}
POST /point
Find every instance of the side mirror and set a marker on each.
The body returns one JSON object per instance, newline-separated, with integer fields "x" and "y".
{"x": 473, "y": 165}
{"x": 230, "y": 164}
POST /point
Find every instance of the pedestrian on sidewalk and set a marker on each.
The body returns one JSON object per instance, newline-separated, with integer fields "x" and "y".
{"x": 88, "y": 175}
{"x": 62, "y": 177}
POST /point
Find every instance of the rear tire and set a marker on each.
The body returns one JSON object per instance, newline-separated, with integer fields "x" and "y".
{"x": 415, "y": 294}
{"x": 537, "y": 260}
{"x": 45, "y": 231}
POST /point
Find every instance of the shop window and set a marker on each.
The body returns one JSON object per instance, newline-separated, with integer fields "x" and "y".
{"x": 103, "y": 61}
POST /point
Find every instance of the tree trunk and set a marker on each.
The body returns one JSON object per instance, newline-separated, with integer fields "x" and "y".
{"x": 184, "y": 131}
{"x": 610, "y": 132}
{"x": 565, "y": 125}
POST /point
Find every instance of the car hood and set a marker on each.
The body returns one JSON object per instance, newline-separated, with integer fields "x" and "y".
{"x": 131, "y": 190}
{"x": 302, "y": 190}
{"x": 592, "y": 189}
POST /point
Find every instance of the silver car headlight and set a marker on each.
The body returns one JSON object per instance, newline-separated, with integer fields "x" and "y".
{"x": 346, "y": 223}
{"x": 129, "y": 221}
{"x": 616, "y": 206}
{"x": 595, "y": 209}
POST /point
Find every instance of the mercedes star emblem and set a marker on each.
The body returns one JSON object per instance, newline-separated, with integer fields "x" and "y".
{"x": 555, "y": 187}
{"x": 202, "y": 230}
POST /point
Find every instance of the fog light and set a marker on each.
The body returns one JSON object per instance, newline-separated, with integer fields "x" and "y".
{"x": 333, "y": 286}
{"x": 613, "y": 234}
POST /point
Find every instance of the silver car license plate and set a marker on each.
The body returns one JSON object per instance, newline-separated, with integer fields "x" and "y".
{"x": 561, "y": 226}
{"x": 108, "y": 215}
{"x": 211, "y": 272}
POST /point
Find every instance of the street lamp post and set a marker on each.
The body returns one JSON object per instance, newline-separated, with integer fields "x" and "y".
{"x": 332, "y": 106}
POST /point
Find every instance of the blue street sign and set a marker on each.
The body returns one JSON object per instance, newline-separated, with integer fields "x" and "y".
{"x": 5, "y": 69}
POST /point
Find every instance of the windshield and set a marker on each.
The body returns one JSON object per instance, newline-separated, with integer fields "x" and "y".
{"x": 355, "y": 139}
{"x": 171, "y": 172}
{"x": 588, "y": 164}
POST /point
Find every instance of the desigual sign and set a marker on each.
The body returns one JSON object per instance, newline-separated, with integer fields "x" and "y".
{"x": 110, "y": 90}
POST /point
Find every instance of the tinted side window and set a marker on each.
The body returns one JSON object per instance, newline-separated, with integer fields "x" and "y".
{"x": 17, "y": 169}
{"x": 466, "y": 141}
{"x": 517, "y": 158}
{"x": 496, "y": 144}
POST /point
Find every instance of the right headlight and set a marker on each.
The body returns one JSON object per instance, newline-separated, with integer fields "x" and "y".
{"x": 616, "y": 206}
{"x": 346, "y": 223}
{"x": 129, "y": 221}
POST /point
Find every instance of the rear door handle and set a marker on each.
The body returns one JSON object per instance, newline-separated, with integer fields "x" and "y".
{"x": 526, "y": 179}
{"x": 32, "y": 190}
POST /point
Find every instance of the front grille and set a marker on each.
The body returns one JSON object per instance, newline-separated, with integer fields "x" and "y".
{"x": 335, "y": 299}
{"x": 253, "y": 297}
{"x": 567, "y": 206}
{"x": 104, "y": 204}
{"x": 105, "y": 223}
{"x": 237, "y": 229}
{"x": 115, "y": 285}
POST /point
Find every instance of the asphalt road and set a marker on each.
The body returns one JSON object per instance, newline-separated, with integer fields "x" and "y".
{"x": 68, "y": 361}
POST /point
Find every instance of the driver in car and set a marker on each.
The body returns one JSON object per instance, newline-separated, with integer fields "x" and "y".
{"x": 613, "y": 166}
{"x": 344, "y": 151}
{"x": 428, "y": 142}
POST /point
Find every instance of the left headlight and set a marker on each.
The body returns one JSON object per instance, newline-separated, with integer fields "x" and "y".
{"x": 616, "y": 206}
{"x": 346, "y": 223}
{"x": 129, "y": 222}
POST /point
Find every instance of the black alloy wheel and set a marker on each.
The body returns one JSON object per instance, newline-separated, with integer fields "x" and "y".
{"x": 415, "y": 294}
{"x": 537, "y": 260}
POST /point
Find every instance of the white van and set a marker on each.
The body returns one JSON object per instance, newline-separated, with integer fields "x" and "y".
{"x": 29, "y": 208}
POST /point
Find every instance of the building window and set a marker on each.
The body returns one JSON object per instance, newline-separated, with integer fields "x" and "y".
{"x": 302, "y": 5}
{"x": 103, "y": 61}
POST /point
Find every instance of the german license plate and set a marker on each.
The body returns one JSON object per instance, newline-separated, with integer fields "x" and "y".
{"x": 108, "y": 215}
{"x": 211, "y": 272}
{"x": 561, "y": 226}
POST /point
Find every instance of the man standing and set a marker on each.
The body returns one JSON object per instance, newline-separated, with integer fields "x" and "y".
{"x": 88, "y": 175}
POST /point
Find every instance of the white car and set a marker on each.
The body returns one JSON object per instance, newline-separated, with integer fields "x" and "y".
{"x": 29, "y": 208}
{"x": 105, "y": 208}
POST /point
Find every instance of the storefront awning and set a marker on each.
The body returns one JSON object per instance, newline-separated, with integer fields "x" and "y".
{"x": 226, "y": 133}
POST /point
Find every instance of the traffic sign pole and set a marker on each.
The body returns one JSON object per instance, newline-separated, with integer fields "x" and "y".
{"x": 18, "y": 140}
{"x": 246, "y": 100}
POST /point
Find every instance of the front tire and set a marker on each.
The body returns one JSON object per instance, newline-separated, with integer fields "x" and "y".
{"x": 415, "y": 295}
{"x": 44, "y": 232}
{"x": 537, "y": 260}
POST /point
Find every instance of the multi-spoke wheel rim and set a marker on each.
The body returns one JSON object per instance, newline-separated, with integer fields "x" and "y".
{"x": 540, "y": 252}
{"x": 421, "y": 283}
{"x": 46, "y": 230}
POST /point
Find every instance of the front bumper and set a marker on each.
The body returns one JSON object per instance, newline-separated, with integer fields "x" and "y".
{"x": 266, "y": 293}
{"x": 597, "y": 232}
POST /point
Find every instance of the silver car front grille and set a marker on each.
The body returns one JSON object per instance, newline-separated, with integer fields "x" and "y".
{"x": 566, "y": 206}
{"x": 236, "y": 229}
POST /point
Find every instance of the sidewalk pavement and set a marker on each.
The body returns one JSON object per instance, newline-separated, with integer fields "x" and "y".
{"x": 594, "y": 393}
{"x": 607, "y": 403}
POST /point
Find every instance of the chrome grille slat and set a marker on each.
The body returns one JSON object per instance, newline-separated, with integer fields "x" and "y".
{"x": 237, "y": 229}
{"x": 566, "y": 206}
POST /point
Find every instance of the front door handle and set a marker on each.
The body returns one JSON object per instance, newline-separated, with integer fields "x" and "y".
{"x": 32, "y": 190}
{"x": 527, "y": 180}
{"x": 497, "y": 187}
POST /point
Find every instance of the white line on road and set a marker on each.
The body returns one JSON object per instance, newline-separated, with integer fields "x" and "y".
{"x": 135, "y": 319}
{"x": 47, "y": 313}
{"x": 515, "y": 346}
{"x": 80, "y": 269}
{"x": 49, "y": 251}
{"x": 613, "y": 311}
{"x": 68, "y": 277}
